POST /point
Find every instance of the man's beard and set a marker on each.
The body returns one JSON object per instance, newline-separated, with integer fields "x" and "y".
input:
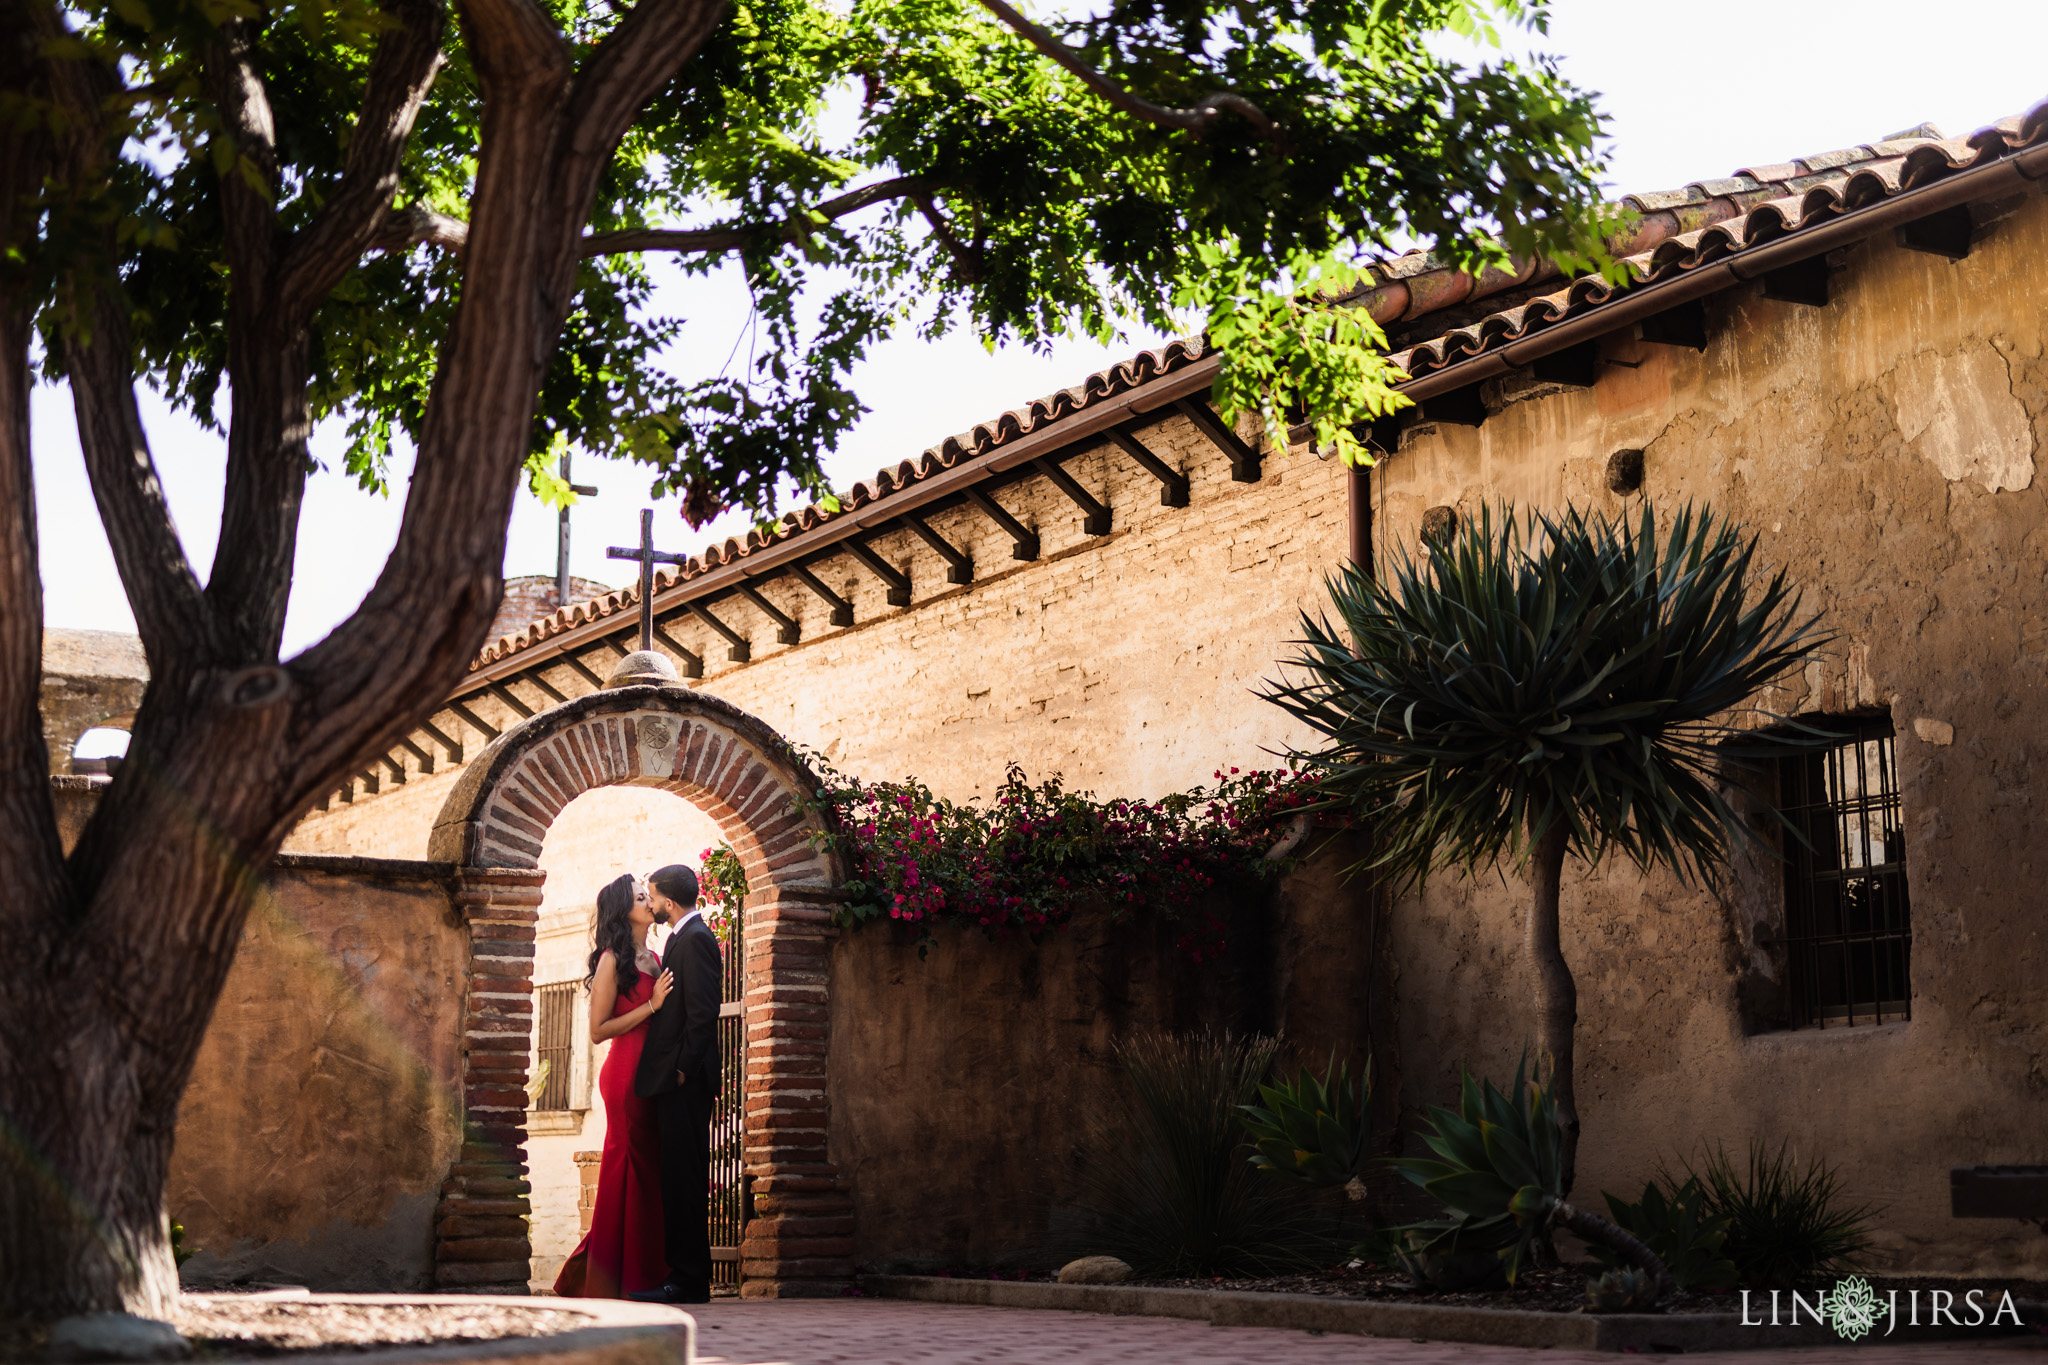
{"x": 661, "y": 917}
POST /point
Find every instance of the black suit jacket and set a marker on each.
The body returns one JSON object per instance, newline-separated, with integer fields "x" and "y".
{"x": 684, "y": 1033}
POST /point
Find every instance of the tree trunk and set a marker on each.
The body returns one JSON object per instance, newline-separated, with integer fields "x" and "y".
{"x": 1557, "y": 996}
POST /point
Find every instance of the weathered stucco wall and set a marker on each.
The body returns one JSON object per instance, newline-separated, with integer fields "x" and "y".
{"x": 961, "y": 1084}
{"x": 1884, "y": 447}
{"x": 323, "y": 1111}
{"x": 90, "y": 678}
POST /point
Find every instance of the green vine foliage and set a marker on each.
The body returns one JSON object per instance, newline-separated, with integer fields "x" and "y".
{"x": 1038, "y": 855}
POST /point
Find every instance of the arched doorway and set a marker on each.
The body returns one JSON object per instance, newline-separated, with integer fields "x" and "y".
{"x": 747, "y": 778}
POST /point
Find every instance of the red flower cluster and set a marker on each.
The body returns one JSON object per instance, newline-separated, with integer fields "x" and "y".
{"x": 1038, "y": 855}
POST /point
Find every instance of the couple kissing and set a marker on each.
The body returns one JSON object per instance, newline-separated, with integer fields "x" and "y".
{"x": 649, "y": 1235}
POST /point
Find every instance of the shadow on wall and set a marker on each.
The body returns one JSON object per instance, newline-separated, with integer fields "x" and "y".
{"x": 322, "y": 1114}
{"x": 961, "y": 1085}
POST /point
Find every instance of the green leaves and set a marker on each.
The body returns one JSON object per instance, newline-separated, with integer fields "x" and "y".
{"x": 1530, "y": 672}
{"x": 1032, "y": 209}
{"x": 1681, "y": 1228}
{"x": 1312, "y": 1131}
{"x": 1496, "y": 1162}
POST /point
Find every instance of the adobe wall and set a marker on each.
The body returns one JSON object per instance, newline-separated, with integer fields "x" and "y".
{"x": 324, "y": 1111}
{"x": 1885, "y": 447}
{"x": 961, "y": 1084}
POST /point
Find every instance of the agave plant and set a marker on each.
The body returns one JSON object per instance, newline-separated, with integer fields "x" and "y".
{"x": 1312, "y": 1131}
{"x": 1682, "y": 1228}
{"x": 1542, "y": 687}
{"x": 1499, "y": 1169}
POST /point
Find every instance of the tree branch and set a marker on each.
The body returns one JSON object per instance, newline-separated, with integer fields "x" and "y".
{"x": 96, "y": 346}
{"x": 248, "y": 210}
{"x": 733, "y": 236}
{"x": 966, "y": 260}
{"x": 402, "y": 71}
{"x": 418, "y": 225}
{"x": 1196, "y": 120}
{"x": 29, "y": 845}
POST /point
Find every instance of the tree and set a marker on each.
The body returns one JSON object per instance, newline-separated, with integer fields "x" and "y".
{"x": 353, "y": 210}
{"x": 1541, "y": 687}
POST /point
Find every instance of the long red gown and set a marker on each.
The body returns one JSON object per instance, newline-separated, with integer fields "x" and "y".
{"x": 623, "y": 1249}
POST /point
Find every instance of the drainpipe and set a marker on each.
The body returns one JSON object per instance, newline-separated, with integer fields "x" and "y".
{"x": 1359, "y": 486}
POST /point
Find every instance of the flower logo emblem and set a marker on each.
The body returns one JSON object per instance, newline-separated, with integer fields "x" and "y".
{"x": 1853, "y": 1308}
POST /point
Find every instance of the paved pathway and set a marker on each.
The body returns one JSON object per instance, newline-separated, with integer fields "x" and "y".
{"x": 891, "y": 1332}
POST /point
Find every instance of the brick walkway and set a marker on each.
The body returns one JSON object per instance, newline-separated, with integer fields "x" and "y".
{"x": 884, "y": 1332}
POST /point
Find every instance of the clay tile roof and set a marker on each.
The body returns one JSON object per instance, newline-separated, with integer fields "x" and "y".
{"x": 1427, "y": 306}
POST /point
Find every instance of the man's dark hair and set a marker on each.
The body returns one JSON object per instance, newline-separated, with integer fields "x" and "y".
{"x": 677, "y": 882}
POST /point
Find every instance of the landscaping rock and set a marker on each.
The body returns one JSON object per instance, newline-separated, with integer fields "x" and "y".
{"x": 116, "y": 1337}
{"x": 1095, "y": 1270}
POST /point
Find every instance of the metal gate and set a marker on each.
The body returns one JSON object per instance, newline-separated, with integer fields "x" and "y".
{"x": 729, "y": 1201}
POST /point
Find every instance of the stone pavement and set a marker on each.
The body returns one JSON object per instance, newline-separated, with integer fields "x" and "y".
{"x": 892, "y": 1332}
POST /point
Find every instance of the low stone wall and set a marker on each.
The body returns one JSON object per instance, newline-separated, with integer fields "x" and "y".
{"x": 961, "y": 1085}
{"x": 324, "y": 1111}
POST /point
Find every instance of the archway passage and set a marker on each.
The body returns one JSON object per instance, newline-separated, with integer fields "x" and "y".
{"x": 737, "y": 770}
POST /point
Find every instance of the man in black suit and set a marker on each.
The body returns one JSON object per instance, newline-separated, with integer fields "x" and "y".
{"x": 678, "y": 1073}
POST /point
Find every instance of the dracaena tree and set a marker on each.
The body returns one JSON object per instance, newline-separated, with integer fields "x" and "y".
{"x": 1536, "y": 688}
{"x": 433, "y": 228}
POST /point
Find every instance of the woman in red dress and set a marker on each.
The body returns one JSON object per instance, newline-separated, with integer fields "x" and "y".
{"x": 623, "y": 1250}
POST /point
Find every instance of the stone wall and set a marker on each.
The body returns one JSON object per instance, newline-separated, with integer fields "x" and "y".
{"x": 90, "y": 678}
{"x": 324, "y": 1110}
{"x": 962, "y": 1084}
{"x": 1885, "y": 449}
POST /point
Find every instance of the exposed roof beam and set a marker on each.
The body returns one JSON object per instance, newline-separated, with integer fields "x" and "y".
{"x": 787, "y": 631}
{"x": 1025, "y": 540}
{"x": 959, "y": 564}
{"x": 1803, "y": 282}
{"x": 842, "y": 610}
{"x": 539, "y": 679}
{"x": 1946, "y": 232}
{"x": 693, "y": 663}
{"x": 511, "y": 699}
{"x": 894, "y": 579}
{"x": 1173, "y": 485}
{"x": 741, "y": 651}
{"x": 475, "y": 722}
{"x": 1684, "y": 325}
{"x": 452, "y": 747}
{"x": 1574, "y": 367}
{"x": 426, "y": 759}
{"x": 1095, "y": 517}
{"x": 1244, "y": 461}
{"x": 583, "y": 670}
{"x": 397, "y": 767}
{"x": 371, "y": 786}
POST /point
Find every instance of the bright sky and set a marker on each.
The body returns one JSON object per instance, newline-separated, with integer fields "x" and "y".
{"x": 1691, "y": 93}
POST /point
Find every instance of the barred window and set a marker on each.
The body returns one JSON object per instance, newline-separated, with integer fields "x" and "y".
{"x": 556, "y": 1007}
{"x": 1848, "y": 928}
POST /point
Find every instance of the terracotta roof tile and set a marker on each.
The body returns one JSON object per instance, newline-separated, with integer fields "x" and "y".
{"x": 1677, "y": 230}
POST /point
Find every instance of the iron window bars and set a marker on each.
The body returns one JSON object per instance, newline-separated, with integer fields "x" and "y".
{"x": 556, "y": 1006}
{"x": 1848, "y": 927}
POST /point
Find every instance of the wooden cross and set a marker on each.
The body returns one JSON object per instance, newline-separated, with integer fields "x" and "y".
{"x": 648, "y": 557}
{"x": 581, "y": 490}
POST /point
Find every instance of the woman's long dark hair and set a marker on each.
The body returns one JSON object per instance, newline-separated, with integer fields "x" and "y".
{"x": 615, "y": 932}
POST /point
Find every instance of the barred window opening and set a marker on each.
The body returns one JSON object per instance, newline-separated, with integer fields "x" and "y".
{"x": 1848, "y": 927}
{"x": 554, "y": 1060}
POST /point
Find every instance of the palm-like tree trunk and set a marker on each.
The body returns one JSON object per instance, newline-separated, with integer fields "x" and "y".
{"x": 1557, "y": 995}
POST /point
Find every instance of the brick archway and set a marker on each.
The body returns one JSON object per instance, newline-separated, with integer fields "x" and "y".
{"x": 743, "y": 775}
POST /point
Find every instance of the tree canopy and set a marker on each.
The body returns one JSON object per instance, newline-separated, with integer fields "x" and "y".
{"x": 924, "y": 163}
